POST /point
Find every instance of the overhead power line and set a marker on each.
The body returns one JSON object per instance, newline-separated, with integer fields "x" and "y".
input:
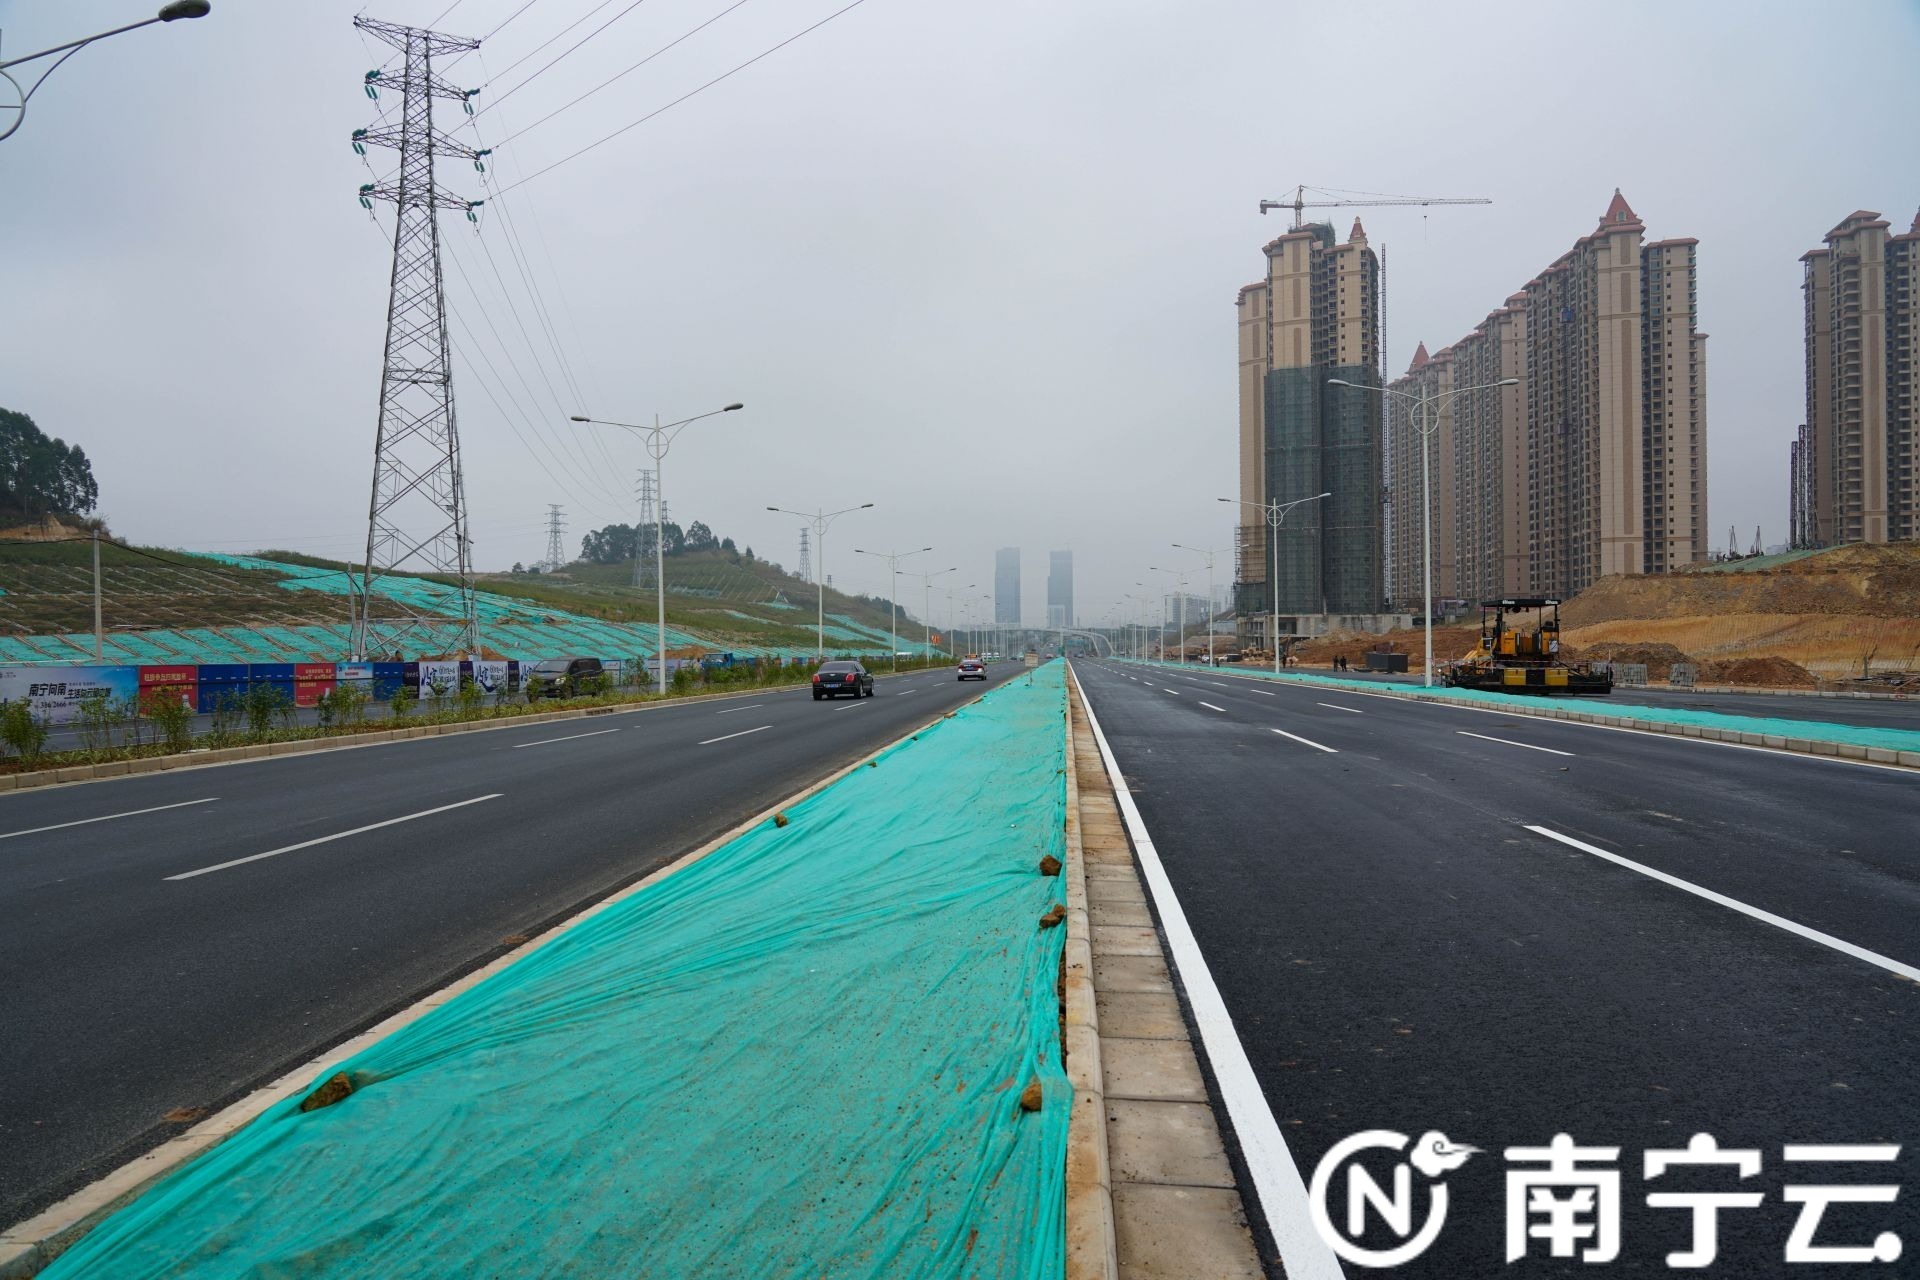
{"x": 560, "y": 56}
{"x": 555, "y": 36}
{"x": 635, "y": 67}
{"x": 683, "y": 97}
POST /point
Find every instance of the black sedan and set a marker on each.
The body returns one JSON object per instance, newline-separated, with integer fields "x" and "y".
{"x": 836, "y": 678}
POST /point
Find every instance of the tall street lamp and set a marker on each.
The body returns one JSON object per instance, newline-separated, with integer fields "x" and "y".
{"x": 1426, "y": 423}
{"x": 951, "y": 628}
{"x": 658, "y": 439}
{"x": 1276, "y": 515}
{"x": 926, "y": 605}
{"x": 1180, "y": 603}
{"x": 168, "y": 13}
{"x": 1209, "y": 553}
{"x": 820, "y": 520}
{"x": 893, "y": 559}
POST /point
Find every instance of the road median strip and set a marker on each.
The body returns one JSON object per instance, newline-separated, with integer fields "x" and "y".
{"x": 830, "y": 1045}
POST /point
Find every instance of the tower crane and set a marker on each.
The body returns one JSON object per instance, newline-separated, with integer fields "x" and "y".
{"x": 1367, "y": 199}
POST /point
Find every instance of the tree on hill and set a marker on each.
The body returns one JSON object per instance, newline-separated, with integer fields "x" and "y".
{"x": 41, "y": 476}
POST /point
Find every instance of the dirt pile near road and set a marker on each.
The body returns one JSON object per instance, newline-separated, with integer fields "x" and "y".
{"x": 1768, "y": 672}
{"x": 1659, "y": 658}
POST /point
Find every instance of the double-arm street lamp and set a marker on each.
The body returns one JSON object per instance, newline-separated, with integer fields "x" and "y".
{"x": 1426, "y": 422}
{"x": 1209, "y": 553}
{"x": 658, "y": 439}
{"x": 168, "y": 13}
{"x": 893, "y": 559}
{"x": 1276, "y": 515}
{"x": 820, "y": 520}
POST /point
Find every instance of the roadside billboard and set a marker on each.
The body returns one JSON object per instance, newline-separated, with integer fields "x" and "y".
{"x": 181, "y": 681}
{"x": 56, "y": 692}
{"x": 490, "y": 674}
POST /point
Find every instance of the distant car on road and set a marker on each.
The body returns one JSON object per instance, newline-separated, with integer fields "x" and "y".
{"x": 972, "y": 669}
{"x": 836, "y": 678}
{"x": 562, "y": 677}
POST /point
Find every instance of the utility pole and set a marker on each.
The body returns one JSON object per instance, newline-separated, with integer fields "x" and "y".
{"x": 417, "y": 515}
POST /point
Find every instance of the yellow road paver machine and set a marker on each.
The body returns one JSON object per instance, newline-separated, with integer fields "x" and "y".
{"x": 1522, "y": 655}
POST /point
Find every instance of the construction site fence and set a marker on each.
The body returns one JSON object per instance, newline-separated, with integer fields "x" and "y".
{"x": 58, "y": 694}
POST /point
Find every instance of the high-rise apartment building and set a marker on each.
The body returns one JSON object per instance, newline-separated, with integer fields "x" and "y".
{"x": 1857, "y": 477}
{"x": 1315, "y": 316}
{"x": 1006, "y": 586}
{"x": 1595, "y": 464}
{"x": 1060, "y": 589}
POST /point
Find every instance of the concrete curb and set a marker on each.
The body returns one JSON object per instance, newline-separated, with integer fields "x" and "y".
{"x": 1773, "y": 742}
{"x": 205, "y": 758}
{"x": 1092, "y": 1246}
{"x": 30, "y": 1246}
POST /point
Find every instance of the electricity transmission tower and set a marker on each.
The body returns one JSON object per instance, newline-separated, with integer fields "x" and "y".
{"x": 556, "y": 537}
{"x": 417, "y": 517}
{"x": 806, "y": 556}
{"x": 643, "y": 531}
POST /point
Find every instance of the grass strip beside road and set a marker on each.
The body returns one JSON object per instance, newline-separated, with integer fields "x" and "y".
{"x": 806, "y": 1053}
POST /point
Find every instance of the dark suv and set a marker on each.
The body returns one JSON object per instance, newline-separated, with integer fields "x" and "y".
{"x": 562, "y": 677}
{"x": 836, "y": 678}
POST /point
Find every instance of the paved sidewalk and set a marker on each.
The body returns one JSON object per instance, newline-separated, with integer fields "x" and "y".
{"x": 1177, "y": 1210}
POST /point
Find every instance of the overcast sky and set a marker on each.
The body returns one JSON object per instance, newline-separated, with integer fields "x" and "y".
{"x": 972, "y": 262}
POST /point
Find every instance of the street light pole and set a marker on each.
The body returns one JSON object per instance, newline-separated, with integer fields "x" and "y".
{"x": 926, "y": 605}
{"x": 1276, "y": 515}
{"x": 658, "y": 440}
{"x": 1209, "y": 553}
{"x": 820, "y": 520}
{"x": 893, "y": 559}
{"x": 1426, "y": 424}
{"x": 168, "y": 13}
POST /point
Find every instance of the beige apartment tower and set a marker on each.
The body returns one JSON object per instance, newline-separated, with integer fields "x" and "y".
{"x": 1595, "y": 464}
{"x": 1315, "y": 315}
{"x": 1856, "y": 472}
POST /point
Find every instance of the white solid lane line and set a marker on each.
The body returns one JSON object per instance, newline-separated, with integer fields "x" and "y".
{"x": 106, "y": 817}
{"x": 1309, "y": 741}
{"x": 341, "y": 835}
{"x": 1281, "y": 1191}
{"x": 569, "y": 738}
{"x": 1510, "y": 742}
{"x": 1334, "y": 706}
{"x": 1779, "y": 922}
{"x": 1209, "y": 706}
{"x": 723, "y": 737}
{"x": 730, "y": 710}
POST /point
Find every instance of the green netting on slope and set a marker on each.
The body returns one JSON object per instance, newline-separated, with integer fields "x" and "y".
{"x": 799, "y": 1057}
{"x": 1767, "y": 726}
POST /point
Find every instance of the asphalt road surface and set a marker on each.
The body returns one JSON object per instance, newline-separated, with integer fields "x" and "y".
{"x": 1389, "y": 900}
{"x": 174, "y": 940}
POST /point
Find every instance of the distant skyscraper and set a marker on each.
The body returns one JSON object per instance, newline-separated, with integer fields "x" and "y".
{"x": 1006, "y": 586}
{"x": 1060, "y": 588}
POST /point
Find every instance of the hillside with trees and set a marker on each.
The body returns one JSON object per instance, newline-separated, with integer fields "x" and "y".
{"x": 40, "y": 475}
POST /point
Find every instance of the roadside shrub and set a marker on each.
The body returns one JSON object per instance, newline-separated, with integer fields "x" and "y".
{"x": 171, "y": 718}
{"x": 683, "y": 679}
{"x": 98, "y": 722}
{"x": 24, "y": 732}
{"x": 440, "y": 690}
{"x": 223, "y": 729}
{"x": 470, "y": 696}
{"x": 264, "y": 704}
{"x": 597, "y": 686}
{"x": 403, "y": 702}
{"x": 536, "y": 688}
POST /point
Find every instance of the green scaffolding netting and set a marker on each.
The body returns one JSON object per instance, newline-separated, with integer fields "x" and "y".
{"x": 802, "y": 1056}
{"x": 1609, "y": 707}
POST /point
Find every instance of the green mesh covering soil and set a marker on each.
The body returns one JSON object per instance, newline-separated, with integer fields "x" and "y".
{"x": 802, "y": 1056}
{"x": 1609, "y": 708}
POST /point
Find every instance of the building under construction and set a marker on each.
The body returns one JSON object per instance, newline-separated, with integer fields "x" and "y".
{"x": 1314, "y": 317}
